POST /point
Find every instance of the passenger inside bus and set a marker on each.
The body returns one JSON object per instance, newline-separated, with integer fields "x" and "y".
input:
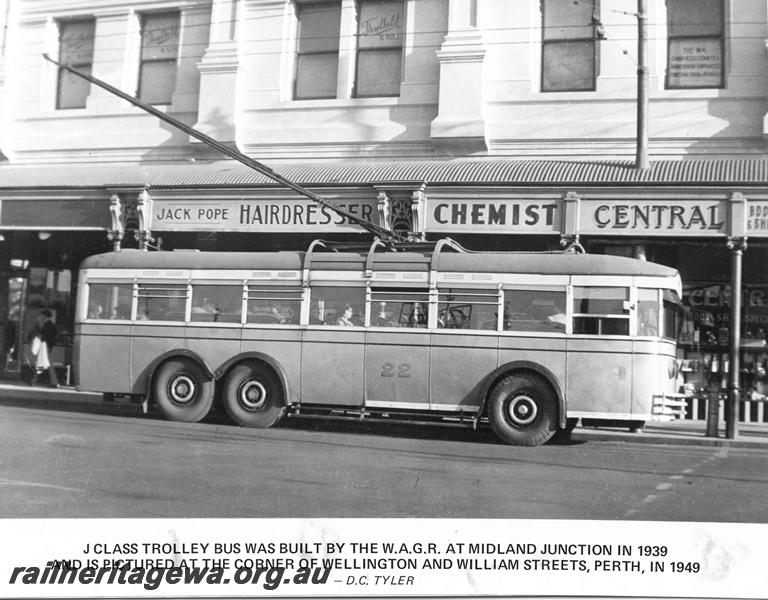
{"x": 345, "y": 320}
{"x": 96, "y": 312}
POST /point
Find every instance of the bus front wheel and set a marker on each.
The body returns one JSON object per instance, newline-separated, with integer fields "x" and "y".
{"x": 521, "y": 409}
{"x": 253, "y": 395}
{"x": 182, "y": 390}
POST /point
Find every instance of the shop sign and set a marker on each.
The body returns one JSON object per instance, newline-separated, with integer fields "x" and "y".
{"x": 51, "y": 214}
{"x": 757, "y": 219}
{"x": 256, "y": 215}
{"x": 483, "y": 216}
{"x": 695, "y": 218}
{"x": 695, "y": 63}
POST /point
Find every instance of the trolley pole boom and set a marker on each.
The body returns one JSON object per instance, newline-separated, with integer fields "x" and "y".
{"x": 384, "y": 234}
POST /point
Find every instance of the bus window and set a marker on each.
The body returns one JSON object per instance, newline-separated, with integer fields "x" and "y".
{"x": 468, "y": 309}
{"x": 216, "y": 303}
{"x": 161, "y": 302}
{"x": 272, "y": 304}
{"x": 109, "y": 300}
{"x": 534, "y": 309}
{"x": 601, "y": 310}
{"x": 672, "y": 311}
{"x": 399, "y": 307}
{"x": 340, "y": 306}
{"x": 647, "y": 312}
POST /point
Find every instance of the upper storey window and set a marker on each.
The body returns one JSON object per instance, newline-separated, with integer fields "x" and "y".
{"x": 568, "y": 45}
{"x": 324, "y": 34}
{"x": 317, "y": 60}
{"x": 159, "y": 54}
{"x": 75, "y": 50}
{"x": 379, "y": 48}
{"x": 695, "y": 44}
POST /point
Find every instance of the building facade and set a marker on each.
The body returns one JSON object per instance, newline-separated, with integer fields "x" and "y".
{"x": 506, "y": 124}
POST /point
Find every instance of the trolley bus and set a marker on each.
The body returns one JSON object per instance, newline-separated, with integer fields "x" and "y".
{"x": 528, "y": 342}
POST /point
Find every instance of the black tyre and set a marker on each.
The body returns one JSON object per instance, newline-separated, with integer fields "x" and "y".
{"x": 182, "y": 390}
{"x": 636, "y": 426}
{"x": 522, "y": 410}
{"x": 253, "y": 395}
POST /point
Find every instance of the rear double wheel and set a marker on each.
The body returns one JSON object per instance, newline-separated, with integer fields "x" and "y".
{"x": 253, "y": 395}
{"x": 522, "y": 410}
{"x": 182, "y": 390}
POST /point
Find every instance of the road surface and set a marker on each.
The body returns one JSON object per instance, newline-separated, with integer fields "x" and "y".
{"x": 67, "y": 462}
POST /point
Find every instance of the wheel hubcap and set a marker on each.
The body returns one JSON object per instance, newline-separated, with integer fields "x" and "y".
{"x": 182, "y": 389}
{"x": 252, "y": 395}
{"x": 522, "y": 410}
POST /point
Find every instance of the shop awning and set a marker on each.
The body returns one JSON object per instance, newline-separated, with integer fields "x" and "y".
{"x": 477, "y": 171}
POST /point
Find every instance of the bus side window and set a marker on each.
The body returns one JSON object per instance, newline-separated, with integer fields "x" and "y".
{"x": 274, "y": 304}
{"x": 399, "y": 307}
{"x": 535, "y": 309}
{"x": 647, "y": 312}
{"x": 467, "y": 309}
{"x": 337, "y": 306}
{"x": 601, "y": 310}
{"x": 162, "y": 302}
{"x": 109, "y": 300}
{"x": 216, "y": 303}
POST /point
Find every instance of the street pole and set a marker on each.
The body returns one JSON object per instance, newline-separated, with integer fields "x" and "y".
{"x": 737, "y": 246}
{"x": 641, "y": 159}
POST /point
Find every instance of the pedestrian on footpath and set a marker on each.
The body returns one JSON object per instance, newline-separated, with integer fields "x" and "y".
{"x": 46, "y": 332}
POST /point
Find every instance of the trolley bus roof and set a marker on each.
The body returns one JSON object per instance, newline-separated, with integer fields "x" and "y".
{"x": 480, "y": 262}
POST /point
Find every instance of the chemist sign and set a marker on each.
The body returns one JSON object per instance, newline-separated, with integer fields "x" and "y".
{"x": 493, "y": 215}
{"x": 286, "y": 215}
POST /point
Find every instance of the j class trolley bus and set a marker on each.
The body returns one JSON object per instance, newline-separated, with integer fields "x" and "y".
{"x": 529, "y": 342}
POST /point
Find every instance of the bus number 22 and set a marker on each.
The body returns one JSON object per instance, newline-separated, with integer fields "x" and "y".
{"x": 390, "y": 370}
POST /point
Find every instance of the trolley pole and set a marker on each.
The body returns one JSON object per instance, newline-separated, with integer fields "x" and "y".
{"x": 641, "y": 160}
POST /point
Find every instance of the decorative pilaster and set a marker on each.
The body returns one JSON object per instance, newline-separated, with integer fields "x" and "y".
{"x": 459, "y": 127}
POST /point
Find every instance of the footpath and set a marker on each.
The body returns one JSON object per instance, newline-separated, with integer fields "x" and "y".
{"x": 678, "y": 432}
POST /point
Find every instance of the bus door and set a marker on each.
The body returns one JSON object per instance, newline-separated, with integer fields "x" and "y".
{"x": 332, "y": 352}
{"x": 599, "y": 380}
{"x": 397, "y": 349}
{"x": 465, "y": 346}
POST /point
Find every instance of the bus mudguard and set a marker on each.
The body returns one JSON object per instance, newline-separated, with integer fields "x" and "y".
{"x": 524, "y": 365}
{"x": 180, "y": 352}
{"x": 265, "y": 358}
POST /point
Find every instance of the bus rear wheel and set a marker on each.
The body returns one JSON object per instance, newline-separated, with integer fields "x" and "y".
{"x": 253, "y": 396}
{"x": 521, "y": 409}
{"x": 182, "y": 390}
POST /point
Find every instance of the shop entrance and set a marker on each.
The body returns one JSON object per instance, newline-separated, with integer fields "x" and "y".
{"x": 24, "y": 293}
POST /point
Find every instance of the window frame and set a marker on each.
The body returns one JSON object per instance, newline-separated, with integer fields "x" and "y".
{"x": 593, "y": 40}
{"x": 143, "y": 61}
{"x": 601, "y": 317}
{"x": 383, "y": 49}
{"x": 86, "y": 67}
{"x": 671, "y": 38}
{"x": 298, "y": 7}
